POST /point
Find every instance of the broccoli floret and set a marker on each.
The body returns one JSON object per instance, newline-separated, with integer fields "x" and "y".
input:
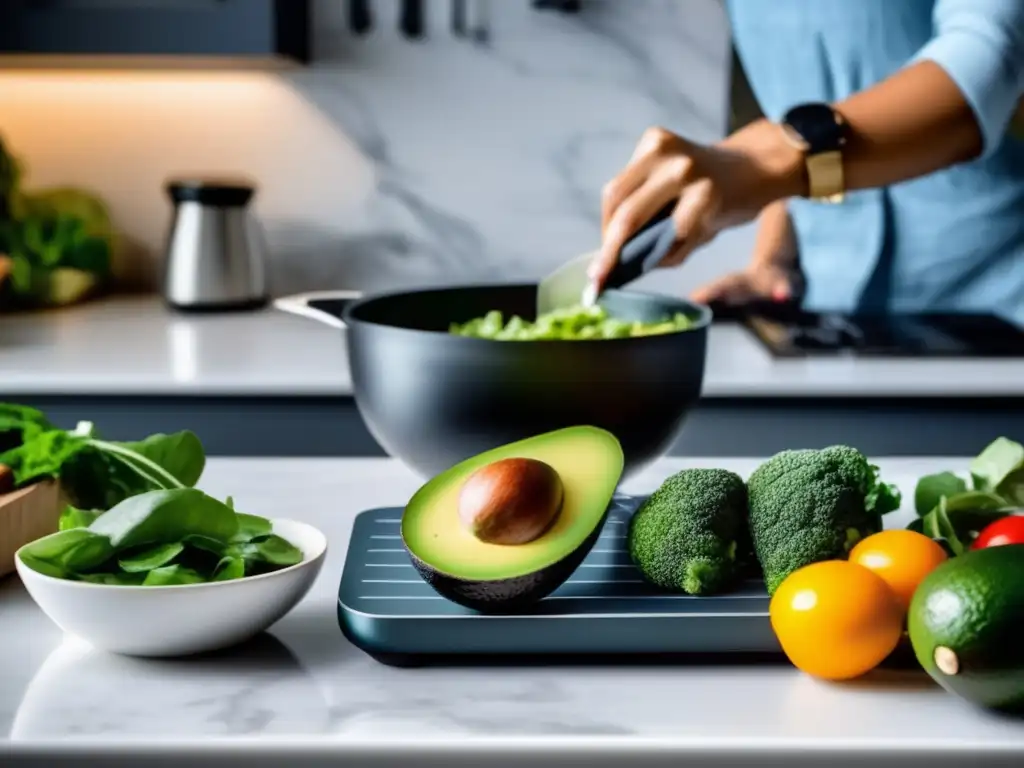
{"x": 814, "y": 504}
{"x": 686, "y": 535}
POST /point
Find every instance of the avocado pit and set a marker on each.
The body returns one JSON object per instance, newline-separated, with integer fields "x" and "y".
{"x": 511, "y": 501}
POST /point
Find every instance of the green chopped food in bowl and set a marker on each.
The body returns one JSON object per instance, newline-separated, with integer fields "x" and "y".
{"x": 570, "y": 324}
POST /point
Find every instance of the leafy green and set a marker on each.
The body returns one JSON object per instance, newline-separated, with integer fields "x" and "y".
{"x": 230, "y": 567}
{"x": 95, "y": 473}
{"x": 60, "y": 241}
{"x": 272, "y": 550}
{"x": 958, "y": 519}
{"x": 164, "y": 517}
{"x": 78, "y": 549}
{"x": 170, "y": 536}
{"x": 19, "y": 423}
{"x": 73, "y": 517}
{"x": 931, "y": 489}
{"x": 953, "y": 511}
{"x": 150, "y": 558}
{"x": 250, "y": 526}
{"x": 135, "y": 517}
{"x": 1000, "y": 469}
{"x": 171, "y": 575}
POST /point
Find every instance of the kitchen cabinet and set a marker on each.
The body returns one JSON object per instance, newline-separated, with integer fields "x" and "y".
{"x": 177, "y": 31}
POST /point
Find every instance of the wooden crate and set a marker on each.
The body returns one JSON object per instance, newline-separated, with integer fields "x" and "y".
{"x": 26, "y": 515}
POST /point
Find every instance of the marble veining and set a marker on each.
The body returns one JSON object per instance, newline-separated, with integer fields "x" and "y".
{"x": 302, "y": 684}
{"x": 489, "y": 159}
{"x": 392, "y": 163}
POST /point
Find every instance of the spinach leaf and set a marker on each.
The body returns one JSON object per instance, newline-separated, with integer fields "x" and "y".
{"x": 250, "y": 526}
{"x": 958, "y": 519}
{"x": 78, "y": 549}
{"x": 72, "y": 517}
{"x": 44, "y": 567}
{"x": 165, "y": 517}
{"x": 931, "y": 488}
{"x": 106, "y": 473}
{"x": 273, "y": 550}
{"x": 116, "y": 578}
{"x": 206, "y": 544}
{"x": 229, "y": 568}
{"x": 172, "y": 575}
{"x": 998, "y": 464}
{"x": 150, "y": 558}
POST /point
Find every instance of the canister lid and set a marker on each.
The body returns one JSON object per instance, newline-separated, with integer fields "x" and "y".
{"x": 219, "y": 191}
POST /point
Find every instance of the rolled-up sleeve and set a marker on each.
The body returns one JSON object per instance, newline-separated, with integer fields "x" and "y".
{"x": 980, "y": 45}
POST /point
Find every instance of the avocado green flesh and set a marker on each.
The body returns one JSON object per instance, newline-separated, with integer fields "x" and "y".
{"x": 589, "y": 462}
{"x": 972, "y": 607}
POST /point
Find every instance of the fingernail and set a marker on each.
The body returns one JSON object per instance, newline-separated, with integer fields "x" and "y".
{"x": 781, "y": 293}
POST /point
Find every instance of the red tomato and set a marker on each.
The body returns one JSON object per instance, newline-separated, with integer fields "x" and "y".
{"x": 1006, "y": 530}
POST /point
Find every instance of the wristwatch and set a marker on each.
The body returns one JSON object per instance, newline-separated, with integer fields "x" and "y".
{"x": 819, "y": 132}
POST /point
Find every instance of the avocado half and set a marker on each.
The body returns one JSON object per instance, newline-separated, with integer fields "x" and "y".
{"x": 494, "y": 578}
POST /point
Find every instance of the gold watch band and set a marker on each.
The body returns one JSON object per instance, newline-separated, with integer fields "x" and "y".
{"x": 825, "y": 177}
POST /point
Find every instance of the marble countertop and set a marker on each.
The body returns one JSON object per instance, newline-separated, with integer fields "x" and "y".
{"x": 135, "y": 346}
{"x": 302, "y": 695}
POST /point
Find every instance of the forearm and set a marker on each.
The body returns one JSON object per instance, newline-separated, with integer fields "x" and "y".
{"x": 910, "y": 125}
{"x": 775, "y": 243}
{"x": 951, "y": 103}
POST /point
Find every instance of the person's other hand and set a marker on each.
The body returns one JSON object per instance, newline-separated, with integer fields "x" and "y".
{"x": 757, "y": 282}
{"x": 717, "y": 187}
{"x": 769, "y": 276}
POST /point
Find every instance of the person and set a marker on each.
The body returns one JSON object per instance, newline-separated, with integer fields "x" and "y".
{"x": 886, "y": 170}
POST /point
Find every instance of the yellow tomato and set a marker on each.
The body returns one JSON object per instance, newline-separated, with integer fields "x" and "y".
{"x": 835, "y": 619}
{"x": 902, "y": 558}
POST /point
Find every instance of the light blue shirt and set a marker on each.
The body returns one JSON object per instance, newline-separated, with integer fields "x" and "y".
{"x": 949, "y": 241}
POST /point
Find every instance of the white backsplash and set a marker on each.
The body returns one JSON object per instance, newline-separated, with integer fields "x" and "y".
{"x": 392, "y": 163}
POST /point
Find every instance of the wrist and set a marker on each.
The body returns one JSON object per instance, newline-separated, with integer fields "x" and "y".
{"x": 778, "y": 167}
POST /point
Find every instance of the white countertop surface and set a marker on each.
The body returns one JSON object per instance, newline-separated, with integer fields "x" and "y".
{"x": 135, "y": 346}
{"x": 304, "y": 694}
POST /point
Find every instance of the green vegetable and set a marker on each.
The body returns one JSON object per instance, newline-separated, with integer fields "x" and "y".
{"x": 164, "y": 537}
{"x": 60, "y": 241}
{"x": 171, "y": 575}
{"x": 151, "y": 558}
{"x": 811, "y": 505}
{"x": 686, "y": 535}
{"x": 575, "y": 323}
{"x": 164, "y": 517}
{"x": 96, "y": 474}
{"x": 72, "y": 517}
{"x": 953, "y": 511}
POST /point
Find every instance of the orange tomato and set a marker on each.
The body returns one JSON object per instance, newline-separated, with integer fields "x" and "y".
{"x": 902, "y": 558}
{"x": 835, "y": 619}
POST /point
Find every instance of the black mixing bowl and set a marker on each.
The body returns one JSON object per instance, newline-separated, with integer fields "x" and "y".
{"x": 432, "y": 399}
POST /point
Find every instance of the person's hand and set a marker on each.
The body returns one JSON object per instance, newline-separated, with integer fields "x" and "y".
{"x": 717, "y": 187}
{"x": 759, "y": 281}
{"x": 769, "y": 275}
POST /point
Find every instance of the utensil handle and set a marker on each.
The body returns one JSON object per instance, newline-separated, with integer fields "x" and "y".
{"x": 360, "y": 16}
{"x": 304, "y": 305}
{"x": 645, "y": 250}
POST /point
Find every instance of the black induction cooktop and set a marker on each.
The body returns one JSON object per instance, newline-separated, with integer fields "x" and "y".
{"x": 791, "y": 332}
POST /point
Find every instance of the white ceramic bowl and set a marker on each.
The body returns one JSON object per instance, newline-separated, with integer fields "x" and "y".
{"x": 182, "y": 619}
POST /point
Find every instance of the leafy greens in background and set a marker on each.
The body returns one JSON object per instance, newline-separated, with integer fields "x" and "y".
{"x": 59, "y": 242}
{"x": 95, "y": 474}
{"x": 955, "y": 510}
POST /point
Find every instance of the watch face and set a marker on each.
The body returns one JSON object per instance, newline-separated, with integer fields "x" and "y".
{"x": 817, "y": 125}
